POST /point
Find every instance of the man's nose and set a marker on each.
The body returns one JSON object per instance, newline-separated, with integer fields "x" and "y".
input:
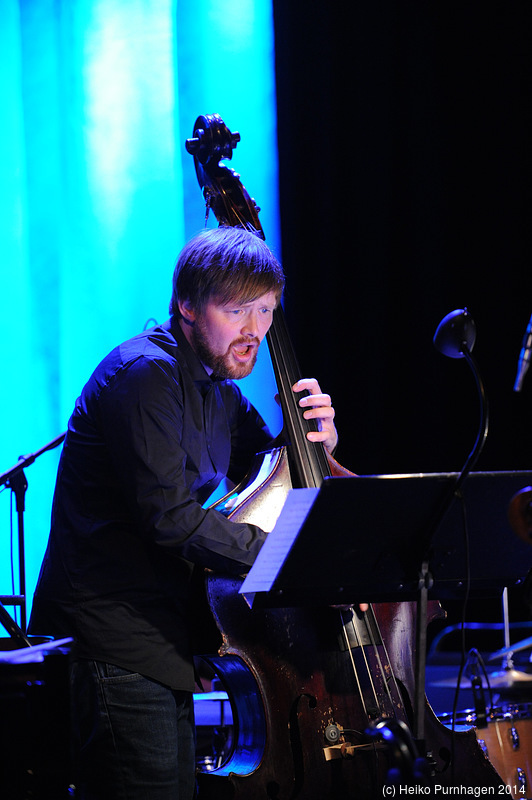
{"x": 251, "y": 325}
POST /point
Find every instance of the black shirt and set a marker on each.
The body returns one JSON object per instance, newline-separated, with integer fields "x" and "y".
{"x": 150, "y": 438}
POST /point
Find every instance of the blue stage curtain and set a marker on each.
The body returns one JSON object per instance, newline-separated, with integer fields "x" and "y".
{"x": 98, "y": 195}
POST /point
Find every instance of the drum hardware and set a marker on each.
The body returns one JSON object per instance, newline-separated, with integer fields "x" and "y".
{"x": 504, "y": 733}
{"x": 509, "y": 649}
{"x": 506, "y": 678}
{"x": 521, "y": 779}
{"x": 506, "y": 742}
{"x": 524, "y": 644}
{"x": 214, "y": 724}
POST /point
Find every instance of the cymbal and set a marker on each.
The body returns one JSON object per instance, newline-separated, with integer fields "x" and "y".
{"x": 503, "y": 679}
{"x": 524, "y": 644}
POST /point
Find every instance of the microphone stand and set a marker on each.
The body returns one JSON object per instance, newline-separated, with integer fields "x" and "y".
{"x": 15, "y": 479}
{"x": 524, "y": 358}
{"x": 454, "y": 337}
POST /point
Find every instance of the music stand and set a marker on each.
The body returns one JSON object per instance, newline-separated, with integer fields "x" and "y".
{"x": 376, "y": 539}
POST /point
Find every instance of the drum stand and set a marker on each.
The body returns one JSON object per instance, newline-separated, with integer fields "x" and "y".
{"x": 508, "y": 664}
{"x": 508, "y": 677}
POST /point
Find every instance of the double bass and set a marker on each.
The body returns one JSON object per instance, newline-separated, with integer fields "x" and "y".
{"x": 321, "y": 696}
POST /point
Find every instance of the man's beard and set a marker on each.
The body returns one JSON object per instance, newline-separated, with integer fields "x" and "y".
{"x": 222, "y": 365}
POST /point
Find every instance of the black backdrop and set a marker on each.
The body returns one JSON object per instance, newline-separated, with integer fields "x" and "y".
{"x": 405, "y": 164}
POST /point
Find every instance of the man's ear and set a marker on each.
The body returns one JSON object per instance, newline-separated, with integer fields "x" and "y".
{"x": 187, "y": 312}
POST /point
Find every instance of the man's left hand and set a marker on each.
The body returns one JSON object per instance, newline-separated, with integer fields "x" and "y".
{"x": 318, "y": 406}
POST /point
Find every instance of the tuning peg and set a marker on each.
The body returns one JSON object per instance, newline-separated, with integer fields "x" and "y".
{"x": 211, "y": 139}
{"x": 193, "y": 145}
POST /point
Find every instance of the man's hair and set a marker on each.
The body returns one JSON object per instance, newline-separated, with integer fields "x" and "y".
{"x": 226, "y": 265}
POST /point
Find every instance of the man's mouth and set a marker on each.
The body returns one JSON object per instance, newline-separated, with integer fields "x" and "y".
{"x": 243, "y": 351}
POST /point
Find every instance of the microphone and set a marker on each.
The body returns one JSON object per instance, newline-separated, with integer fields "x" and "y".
{"x": 524, "y": 358}
{"x": 479, "y": 699}
{"x": 455, "y": 334}
{"x": 455, "y": 337}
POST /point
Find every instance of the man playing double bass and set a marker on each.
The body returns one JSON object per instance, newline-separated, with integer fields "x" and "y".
{"x": 157, "y": 427}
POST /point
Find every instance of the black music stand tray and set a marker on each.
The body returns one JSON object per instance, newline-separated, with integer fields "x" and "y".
{"x": 391, "y": 538}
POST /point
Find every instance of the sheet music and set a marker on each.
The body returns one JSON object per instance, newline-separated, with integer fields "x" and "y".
{"x": 275, "y": 549}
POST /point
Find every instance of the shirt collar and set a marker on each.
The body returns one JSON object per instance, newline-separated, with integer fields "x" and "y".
{"x": 195, "y": 367}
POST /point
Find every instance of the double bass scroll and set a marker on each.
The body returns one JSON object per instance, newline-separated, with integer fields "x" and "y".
{"x": 224, "y": 194}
